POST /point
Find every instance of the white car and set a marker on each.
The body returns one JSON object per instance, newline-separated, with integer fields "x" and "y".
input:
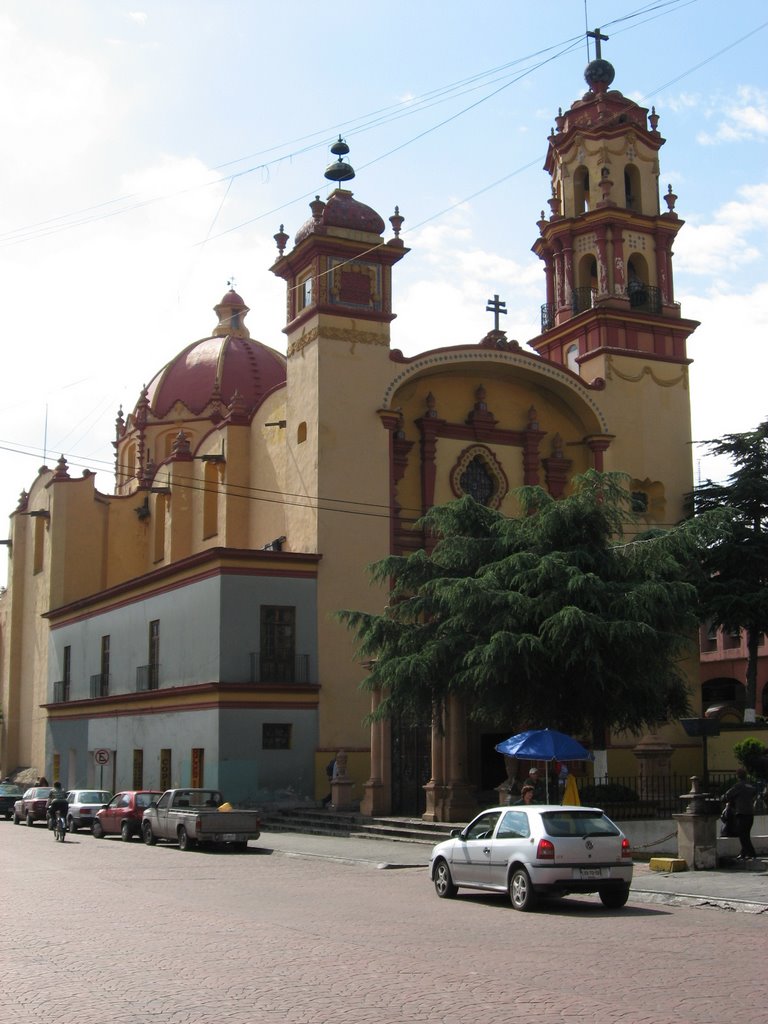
{"x": 83, "y": 804}
{"x": 536, "y": 850}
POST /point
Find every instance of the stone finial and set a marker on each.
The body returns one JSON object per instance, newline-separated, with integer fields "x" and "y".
{"x": 281, "y": 240}
{"x": 238, "y": 409}
{"x": 181, "y": 450}
{"x": 653, "y": 119}
{"x": 62, "y": 470}
{"x": 533, "y": 419}
{"x": 396, "y": 220}
{"x": 431, "y": 403}
{"x": 670, "y": 199}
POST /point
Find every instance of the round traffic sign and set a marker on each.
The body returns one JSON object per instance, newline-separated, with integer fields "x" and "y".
{"x": 101, "y": 756}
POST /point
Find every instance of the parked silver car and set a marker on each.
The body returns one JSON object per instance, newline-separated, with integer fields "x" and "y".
{"x": 536, "y": 850}
{"x": 83, "y": 805}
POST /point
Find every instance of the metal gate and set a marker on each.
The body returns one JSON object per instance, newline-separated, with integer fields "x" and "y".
{"x": 411, "y": 769}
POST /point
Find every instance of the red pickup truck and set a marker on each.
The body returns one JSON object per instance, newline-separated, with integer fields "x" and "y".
{"x": 33, "y": 806}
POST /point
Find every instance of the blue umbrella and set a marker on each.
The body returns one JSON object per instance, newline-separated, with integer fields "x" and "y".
{"x": 544, "y": 745}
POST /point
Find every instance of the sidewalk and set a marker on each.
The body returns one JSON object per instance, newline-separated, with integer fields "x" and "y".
{"x": 735, "y": 886}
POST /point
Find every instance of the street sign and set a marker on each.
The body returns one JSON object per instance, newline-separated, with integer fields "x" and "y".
{"x": 101, "y": 756}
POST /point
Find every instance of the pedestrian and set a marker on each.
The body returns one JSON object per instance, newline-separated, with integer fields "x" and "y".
{"x": 526, "y": 794}
{"x": 742, "y": 797}
{"x": 42, "y": 781}
{"x": 330, "y": 771}
{"x": 539, "y": 786}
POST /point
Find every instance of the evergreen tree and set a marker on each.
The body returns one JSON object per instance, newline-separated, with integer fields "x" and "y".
{"x": 735, "y": 591}
{"x": 551, "y": 618}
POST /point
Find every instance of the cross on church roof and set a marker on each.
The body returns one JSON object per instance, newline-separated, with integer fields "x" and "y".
{"x": 496, "y": 307}
{"x": 597, "y": 36}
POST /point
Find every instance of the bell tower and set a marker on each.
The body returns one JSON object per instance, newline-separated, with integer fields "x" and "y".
{"x": 605, "y": 243}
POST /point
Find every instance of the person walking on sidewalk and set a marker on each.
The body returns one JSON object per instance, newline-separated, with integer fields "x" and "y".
{"x": 742, "y": 796}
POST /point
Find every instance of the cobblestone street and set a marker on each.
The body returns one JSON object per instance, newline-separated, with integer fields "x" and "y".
{"x": 94, "y": 931}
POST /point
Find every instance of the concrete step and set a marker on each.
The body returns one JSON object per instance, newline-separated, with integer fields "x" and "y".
{"x": 319, "y": 821}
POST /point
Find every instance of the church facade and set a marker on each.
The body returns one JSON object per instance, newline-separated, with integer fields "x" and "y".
{"x": 181, "y": 630}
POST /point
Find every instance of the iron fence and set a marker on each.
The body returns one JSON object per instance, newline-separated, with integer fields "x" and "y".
{"x": 631, "y": 797}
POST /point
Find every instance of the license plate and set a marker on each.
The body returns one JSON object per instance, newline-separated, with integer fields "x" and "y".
{"x": 586, "y": 873}
{"x": 230, "y": 837}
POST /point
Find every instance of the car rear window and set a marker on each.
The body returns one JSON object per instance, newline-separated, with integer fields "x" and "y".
{"x": 578, "y": 823}
{"x": 92, "y": 797}
{"x": 145, "y": 799}
{"x": 11, "y": 790}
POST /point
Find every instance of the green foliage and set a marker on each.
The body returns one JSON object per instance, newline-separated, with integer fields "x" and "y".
{"x": 753, "y": 755}
{"x": 735, "y": 587}
{"x": 549, "y": 618}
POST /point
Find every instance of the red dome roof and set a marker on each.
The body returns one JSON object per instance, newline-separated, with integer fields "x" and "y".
{"x": 342, "y": 210}
{"x": 217, "y": 367}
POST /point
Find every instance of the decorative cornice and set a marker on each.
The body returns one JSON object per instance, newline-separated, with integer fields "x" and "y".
{"x": 349, "y": 335}
{"x": 647, "y": 371}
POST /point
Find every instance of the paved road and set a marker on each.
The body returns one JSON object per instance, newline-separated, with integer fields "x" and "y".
{"x": 93, "y": 931}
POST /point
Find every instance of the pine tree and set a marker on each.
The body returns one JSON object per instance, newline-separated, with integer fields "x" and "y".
{"x": 551, "y": 618}
{"x": 735, "y": 592}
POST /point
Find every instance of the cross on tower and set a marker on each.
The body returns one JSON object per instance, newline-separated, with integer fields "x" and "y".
{"x": 496, "y": 307}
{"x": 597, "y": 36}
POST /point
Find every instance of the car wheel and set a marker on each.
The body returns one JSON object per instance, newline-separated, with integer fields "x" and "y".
{"x": 148, "y": 835}
{"x": 8, "y": 815}
{"x": 444, "y": 886}
{"x": 30, "y": 820}
{"x": 97, "y": 830}
{"x": 185, "y": 843}
{"x": 16, "y": 819}
{"x": 71, "y": 826}
{"x": 125, "y": 832}
{"x": 521, "y": 891}
{"x": 614, "y": 899}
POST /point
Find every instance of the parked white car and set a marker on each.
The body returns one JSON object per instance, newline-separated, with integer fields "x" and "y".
{"x": 536, "y": 850}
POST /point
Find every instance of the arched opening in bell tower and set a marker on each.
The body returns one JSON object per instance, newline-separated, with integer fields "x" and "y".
{"x": 585, "y": 285}
{"x": 632, "y": 189}
{"x": 580, "y": 190}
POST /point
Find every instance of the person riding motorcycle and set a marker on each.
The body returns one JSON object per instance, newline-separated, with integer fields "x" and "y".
{"x": 57, "y": 801}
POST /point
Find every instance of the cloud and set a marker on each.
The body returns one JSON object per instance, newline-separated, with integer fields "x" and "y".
{"x": 138, "y": 17}
{"x": 743, "y": 118}
{"x": 722, "y": 245}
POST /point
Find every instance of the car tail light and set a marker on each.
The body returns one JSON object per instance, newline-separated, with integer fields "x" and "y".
{"x": 545, "y": 850}
{"x": 626, "y": 850}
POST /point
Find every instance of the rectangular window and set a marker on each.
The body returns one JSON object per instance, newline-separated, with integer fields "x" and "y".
{"x": 39, "y": 545}
{"x": 104, "y": 665}
{"x": 138, "y": 769}
{"x": 275, "y": 736}
{"x": 277, "y": 661}
{"x": 165, "y": 768}
{"x": 198, "y": 767}
{"x": 304, "y": 293}
{"x": 210, "y": 500}
{"x": 62, "y": 687}
{"x": 154, "y": 655}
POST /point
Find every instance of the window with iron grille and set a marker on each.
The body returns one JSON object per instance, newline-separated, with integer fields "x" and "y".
{"x": 278, "y": 644}
{"x": 138, "y": 769}
{"x": 154, "y": 654}
{"x": 275, "y": 736}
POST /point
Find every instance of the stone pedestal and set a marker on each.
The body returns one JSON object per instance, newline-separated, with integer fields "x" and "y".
{"x": 341, "y": 785}
{"x": 697, "y": 840}
{"x": 375, "y": 802}
{"x": 697, "y": 830}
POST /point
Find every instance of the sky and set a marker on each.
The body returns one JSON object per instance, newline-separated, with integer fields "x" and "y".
{"x": 150, "y": 151}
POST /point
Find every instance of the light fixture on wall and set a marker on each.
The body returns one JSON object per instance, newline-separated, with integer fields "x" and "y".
{"x": 275, "y": 545}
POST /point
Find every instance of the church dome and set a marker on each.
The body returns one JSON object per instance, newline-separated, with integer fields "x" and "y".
{"x": 341, "y": 210}
{"x": 213, "y": 369}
